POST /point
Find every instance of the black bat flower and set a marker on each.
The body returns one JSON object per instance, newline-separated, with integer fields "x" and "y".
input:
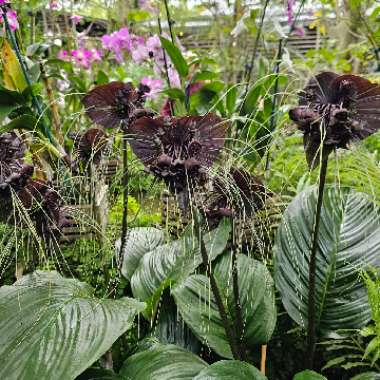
{"x": 115, "y": 102}
{"x": 43, "y": 204}
{"x": 178, "y": 149}
{"x": 335, "y": 110}
{"x": 91, "y": 145}
{"x": 238, "y": 194}
{"x": 12, "y": 148}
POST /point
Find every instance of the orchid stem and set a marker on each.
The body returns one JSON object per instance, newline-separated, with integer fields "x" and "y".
{"x": 274, "y": 100}
{"x": 215, "y": 290}
{"x": 255, "y": 47}
{"x": 165, "y": 66}
{"x": 281, "y": 45}
{"x": 170, "y": 21}
{"x": 311, "y": 333}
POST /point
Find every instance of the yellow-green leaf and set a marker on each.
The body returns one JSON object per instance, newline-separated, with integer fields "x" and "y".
{"x": 13, "y": 76}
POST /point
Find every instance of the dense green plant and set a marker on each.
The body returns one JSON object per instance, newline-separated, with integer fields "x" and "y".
{"x": 216, "y": 263}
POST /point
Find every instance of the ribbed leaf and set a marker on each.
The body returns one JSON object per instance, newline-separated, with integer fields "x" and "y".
{"x": 348, "y": 241}
{"x": 140, "y": 240}
{"x": 198, "y": 308}
{"x": 162, "y": 362}
{"x": 53, "y": 328}
{"x": 230, "y": 370}
{"x": 174, "y": 261}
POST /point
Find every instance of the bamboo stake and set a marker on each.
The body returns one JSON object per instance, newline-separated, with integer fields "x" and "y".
{"x": 263, "y": 358}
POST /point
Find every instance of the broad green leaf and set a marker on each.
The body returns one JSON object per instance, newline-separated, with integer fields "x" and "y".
{"x": 203, "y": 100}
{"x": 12, "y": 74}
{"x": 230, "y": 370}
{"x": 9, "y": 101}
{"x": 171, "y": 262}
{"x": 214, "y": 87}
{"x": 67, "y": 66}
{"x": 162, "y": 362}
{"x": 204, "y": 75}
{"x": 175, "y": 93}
{"x": 308, "y": 375}
{"x": 251, "y": 100}
{"x": 53, "y": 328}
{"x": 27, "y": 122}
{"x": 102, "y": 77}
{"x": 348, "y": 242}
{"x": 140, "y": 240}
{"x": 176, "y": 57}
{"x": 197, "y": 305}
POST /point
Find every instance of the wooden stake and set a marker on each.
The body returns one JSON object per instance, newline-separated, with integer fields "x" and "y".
{"x": 263, "y": 358}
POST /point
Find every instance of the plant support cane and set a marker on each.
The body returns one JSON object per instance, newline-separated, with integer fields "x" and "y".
{"x": 311, "y": 328}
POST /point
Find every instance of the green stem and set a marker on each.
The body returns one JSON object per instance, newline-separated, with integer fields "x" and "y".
{"x": 124, "y": 227}
{"x": 215, "y": 290}
{"x": 24, "y": 69}
{"x": 165, "y": 66}
{"x": 311, "y": 333}
{"x": 274, "y": 101}
{"x": 255, "y": 46}
{"x": 170, "y": 21}
{"x": 238, "y": 313}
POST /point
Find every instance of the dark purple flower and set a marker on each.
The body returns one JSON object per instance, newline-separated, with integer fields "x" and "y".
{"x": 113, "y": 103}
{"x": 177, "y": 149}
{"x": 90, "y": 145}
{"x": 45, "y": 208}
{"x": 335, "y": 110}
{"x": 237, "y": 194}
{"x": 12, "y": 148}
{"x": 42, "y": 203}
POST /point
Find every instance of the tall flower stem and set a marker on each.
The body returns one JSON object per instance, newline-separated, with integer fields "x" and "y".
{"x": 311, "y": 328}
{"x": 165, "y": 66}
{"x": 215, "y": 290}
{"x": 281, "y": 45}
{"x": 274, "y": 99}
{"x": 124, "y": 225}
{"x": 170, "y": 21}
{"x": 255, "y": 47}
{"x": 239, "y": 319}
{"x": 236, "y": 292}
